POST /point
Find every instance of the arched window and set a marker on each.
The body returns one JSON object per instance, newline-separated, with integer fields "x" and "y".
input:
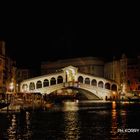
{"x": 39, "y": 84}
{"x": 53, "y": 81}
{"x": 59, "y": 79}
{"x": 100, "y": 84}
{"x": 107, "y": 86}
{"x": 94, "y": 82}
{"x": 80, "y": 79}
{"x": 32, "y": 86}
{"x": 87, "y": 81}
{"x": 114, "y": 87}
{"x": 46, "y": 83}
{"x": 24, "y": 87}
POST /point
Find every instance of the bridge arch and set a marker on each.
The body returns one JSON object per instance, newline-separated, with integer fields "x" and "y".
{"x": 94, "y": 82}
{"x": 45, "y": 83}
{"x": 80, "y": 79}
{"x": 101, "y": 84}
{"x": 87, "y": 80}
{"x": 25, "y": 87}
{"x": 107, "y": 85}
{"x": 38, "y": 84}
{"x": 114, "y": 87}
{"x": 59, "y": 79}
{"x": 32, "y": 86}
{"x": 53, "y": 81}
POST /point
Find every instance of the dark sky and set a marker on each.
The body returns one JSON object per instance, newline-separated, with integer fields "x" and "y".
{"x": 35, "y": 34}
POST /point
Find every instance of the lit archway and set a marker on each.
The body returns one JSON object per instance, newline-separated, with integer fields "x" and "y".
{"x": 114, "y": 87}
{"x": 107, "y": 85}
{"x": 80, "y": 79}
{"x": 53, "y": 81}
{"x": 100, "y": 84}
{"x": 94, "y": 82}
{"x": 32, "y": 86}
{"x": 87, "y": 81}
{"x": 39, "y": 84}
{"x": 46, "y": 83}
{"x": 59, "y": 79}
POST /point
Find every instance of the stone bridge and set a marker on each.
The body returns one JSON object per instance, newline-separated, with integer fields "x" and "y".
{"x": 69, "y": 77}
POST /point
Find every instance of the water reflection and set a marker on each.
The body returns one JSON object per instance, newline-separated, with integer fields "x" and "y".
{"x": 118, "y": 122}
{"x": 12, "y": 133}
{"x": 20, "y": 126}
{"x": 72, "y": 130}
{"x": 114, "y": 126}
{"x": 70, "y": 106}
{"x": 72, "y": 122}
{"x": 123, "y": 115}
{"x": 28, "y": 134}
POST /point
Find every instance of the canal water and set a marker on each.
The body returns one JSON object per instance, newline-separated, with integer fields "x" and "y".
{"x": 85, "y": 120}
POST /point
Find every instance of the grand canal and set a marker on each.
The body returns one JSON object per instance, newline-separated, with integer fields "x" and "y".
{"x": 86, "y": 120}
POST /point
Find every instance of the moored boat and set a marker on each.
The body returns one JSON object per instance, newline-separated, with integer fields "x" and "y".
{"x": 135, "y": 99}
{"x": 3, "y": 104}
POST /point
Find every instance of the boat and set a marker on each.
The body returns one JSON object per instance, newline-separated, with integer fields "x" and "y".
{"x": 3, "y": 104}
{"x": 135, "y": 99}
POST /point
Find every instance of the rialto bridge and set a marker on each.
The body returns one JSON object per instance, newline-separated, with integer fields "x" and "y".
{"x": 68, "y": 78}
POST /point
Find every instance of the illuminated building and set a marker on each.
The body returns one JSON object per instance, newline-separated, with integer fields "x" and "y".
{"x": 125, "y": 71}
{"x": 2, "y": 67}
{"x": 133, "y": 73}
{"x": 21, "y": 75}
{"x": 88, "y": 65}
{"x": 7, "y": 70}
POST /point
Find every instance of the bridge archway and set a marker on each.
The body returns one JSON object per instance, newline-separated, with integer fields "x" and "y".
{"x": 53, "y": 81}
{"x": 46, "y": 83}
{"x": 82, "y": 93}
{"x": 80, "y": 79}
{"x": 114, "y": 87}
{"x": 107, "y": 85}
{"x": 87, "y": 81}
{"x": 100, "y": 84}
{"x": 94, "y": 82}
{"x": 32, "y": 86}
{"x": 39, "y": 84}
{"x": 59, "y": 79}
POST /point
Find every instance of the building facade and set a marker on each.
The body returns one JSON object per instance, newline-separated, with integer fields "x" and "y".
{"x": 125, "y": 71}
{"x": 133, "y": 74}
{"x": 2, "y": 67}
{"x": 88, "y": 65}
{"x": 7, "y": 71}
{"x": 21, "y": 74}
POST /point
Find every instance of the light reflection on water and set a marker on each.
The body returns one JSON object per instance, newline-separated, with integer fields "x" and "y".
{"x": 114, "y": 120}
{"x": 72, "y": 129}
{"x": 116, "y": 124}
{"x": 12, "y": 130}
{"x": 28, "y": 133}
{"x": 70, "y": 122}
{"x": 19, "y": 127}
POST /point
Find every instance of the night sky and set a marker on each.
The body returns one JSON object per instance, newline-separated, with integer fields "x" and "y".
{"x": 33, "y": 35}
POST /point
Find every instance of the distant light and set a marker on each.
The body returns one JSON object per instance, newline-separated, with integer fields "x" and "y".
{"x": 114, "y": 92}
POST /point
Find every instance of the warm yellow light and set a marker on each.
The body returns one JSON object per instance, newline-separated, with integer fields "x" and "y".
{"x": 11, "y": 86}
{"x": 114, "y": 92}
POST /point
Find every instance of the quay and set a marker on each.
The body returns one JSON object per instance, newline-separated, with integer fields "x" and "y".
{"x": 37, "y": 101}
{"x": 25, "y": 101}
